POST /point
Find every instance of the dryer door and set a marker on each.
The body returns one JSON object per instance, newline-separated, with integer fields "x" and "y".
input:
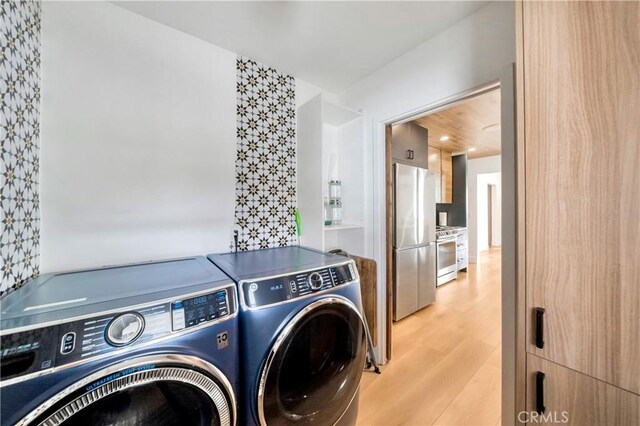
{"x": 313, "y": 371}
{"x": 154, "y": 390}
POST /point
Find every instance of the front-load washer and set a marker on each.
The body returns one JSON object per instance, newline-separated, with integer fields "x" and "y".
{"x": 303, "y": 344}
{"x": 144, "y": 344}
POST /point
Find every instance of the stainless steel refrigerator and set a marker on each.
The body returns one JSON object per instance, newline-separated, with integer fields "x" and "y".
{"x": 414, "y": 239}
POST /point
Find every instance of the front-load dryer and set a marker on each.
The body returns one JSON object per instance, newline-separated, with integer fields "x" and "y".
{"x": 145, "y": 344}
{"x": 303, "y": 344}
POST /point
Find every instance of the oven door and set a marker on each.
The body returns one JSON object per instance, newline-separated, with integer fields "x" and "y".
{"x": 312, "y": 373}
{"x": 447, "y": 261}
{"x": 153, "y": 390}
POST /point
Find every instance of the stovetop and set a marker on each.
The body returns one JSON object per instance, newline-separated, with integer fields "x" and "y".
{"x": 447, "y": 231}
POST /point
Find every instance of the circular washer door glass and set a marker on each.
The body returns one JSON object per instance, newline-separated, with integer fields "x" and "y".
{"x": 316, "y": 370}
{"x": 167, "y": 395}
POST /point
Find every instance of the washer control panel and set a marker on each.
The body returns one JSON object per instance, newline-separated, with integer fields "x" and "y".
{"x": 26, "y": 352}
{"x": 279, "y": 289}
{"x": 197, "y": 310}
{"x": 124, "y": 329}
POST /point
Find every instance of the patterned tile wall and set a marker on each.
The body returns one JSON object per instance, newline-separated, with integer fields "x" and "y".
{"x": 266, "y": 156}
{"x": 20, "y": 137}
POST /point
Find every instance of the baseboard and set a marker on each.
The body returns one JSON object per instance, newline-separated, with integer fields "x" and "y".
{"x": 473, "y": 259}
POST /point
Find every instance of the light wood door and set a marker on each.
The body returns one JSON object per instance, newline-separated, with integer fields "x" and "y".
{"x": 582, "y": 150}
{"x": 446, "y": 177}
{"x": 573, "y": 398}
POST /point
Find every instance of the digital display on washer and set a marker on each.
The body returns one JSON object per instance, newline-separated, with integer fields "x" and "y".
{"x": 196, "y": 310}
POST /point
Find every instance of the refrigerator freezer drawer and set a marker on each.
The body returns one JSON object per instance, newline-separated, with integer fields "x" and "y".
{"x": 414, "y": 284}
{"x": 426, "y": 275}
{"x": 405, "y": 283}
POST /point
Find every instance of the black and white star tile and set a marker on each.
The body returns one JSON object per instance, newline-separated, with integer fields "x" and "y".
{"x": 20, "y": 137}
{"x": 266, "y": 156}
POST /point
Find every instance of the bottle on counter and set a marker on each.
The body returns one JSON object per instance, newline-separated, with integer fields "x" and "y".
{"x": 335, "y": 190}
{"x": 328, "y": 212}
{"x": 336, "y": 212}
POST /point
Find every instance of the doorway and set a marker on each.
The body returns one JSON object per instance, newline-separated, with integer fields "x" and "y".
{"x": 462, "y": 137}
{"x": 398, "y": 347}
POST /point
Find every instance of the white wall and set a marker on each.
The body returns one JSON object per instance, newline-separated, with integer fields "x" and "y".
{"x": 470, "y": 53}
{"x": 480, "y": 230}
{"x": 496, "y": 212}
{"x": 305, "y": 91}
{"x": 138, "y": 139}
{"x": 480, "y": 172}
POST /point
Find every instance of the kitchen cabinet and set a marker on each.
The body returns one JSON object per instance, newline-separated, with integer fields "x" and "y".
{"x": 446, "y": 177}
{"x": 462, "y": 249}
{"x": 440, "y": 162}
{"x": 572, "y": 398}
{"x": 410, "y": 145}
{"x": 434, "y": 155}
{"x": 581, "y": 87}
{"x": 330, "y": 146}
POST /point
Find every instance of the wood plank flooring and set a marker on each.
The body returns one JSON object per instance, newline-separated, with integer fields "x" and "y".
{"x": 446, "y": 358}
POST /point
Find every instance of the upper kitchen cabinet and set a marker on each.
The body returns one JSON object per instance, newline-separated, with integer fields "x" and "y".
{"x": 330, "y": 147}
{"x": 435, "y": 159}
{"x": 410, "y": 145}
{"x": 441, "y": 164}
{"x": 446, "y": 177}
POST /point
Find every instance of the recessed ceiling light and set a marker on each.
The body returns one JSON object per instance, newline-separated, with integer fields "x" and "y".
{"x": 471, "y": 149}
{"x": 444, "y": 138}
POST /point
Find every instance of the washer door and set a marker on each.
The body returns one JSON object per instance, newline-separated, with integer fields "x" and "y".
{"x": 163, "y": 390}
{"x": 313, "y": 370}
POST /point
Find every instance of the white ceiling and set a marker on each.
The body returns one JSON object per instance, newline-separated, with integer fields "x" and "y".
{"x": 329, "y": 44}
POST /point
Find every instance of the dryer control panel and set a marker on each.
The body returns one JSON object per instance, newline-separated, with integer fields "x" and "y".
{"x": 266, "y": 292}
{"x": 44, "y": 348}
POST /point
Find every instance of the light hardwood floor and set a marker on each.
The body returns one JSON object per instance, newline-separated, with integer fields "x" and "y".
{"x": 446, "y": 358}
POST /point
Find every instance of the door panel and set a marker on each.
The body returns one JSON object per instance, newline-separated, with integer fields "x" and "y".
{"x": 413, "y": 138}
{"x": 582, "y": 150}
{"x": 401, "y": 142}
{"x": 313, "y": 371}
{"x": 426, "y": 275}
{"x": 578, "y": 398}
{"x": 447, "y": 261}
{"x": 426, "y": 207}
{"x": 159, "y": 395}
{"x": 405, "y": 206}
{"x": 405, "y": 285}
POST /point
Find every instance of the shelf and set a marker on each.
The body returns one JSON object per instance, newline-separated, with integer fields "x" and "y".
{"x": 341, "y": 227}
{"x": 337, "y": 115}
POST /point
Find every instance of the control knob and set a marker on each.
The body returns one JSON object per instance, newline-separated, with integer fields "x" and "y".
{"x": 315, "y": 281}
{"x": 124, "y": 329}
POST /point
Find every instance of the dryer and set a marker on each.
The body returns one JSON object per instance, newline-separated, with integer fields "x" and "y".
{"x": 303, "y": 341}
{"x": 152, "y": 343}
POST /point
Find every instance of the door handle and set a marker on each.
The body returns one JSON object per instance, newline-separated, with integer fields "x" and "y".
{"x": 540, "y": 392}
{"x": 408, "y": 154}
{"x": 539, "y": 328}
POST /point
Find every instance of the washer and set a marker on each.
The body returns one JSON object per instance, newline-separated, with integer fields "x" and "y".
{"x": 152, "y": 343}
{"x": 303, "y": 342}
